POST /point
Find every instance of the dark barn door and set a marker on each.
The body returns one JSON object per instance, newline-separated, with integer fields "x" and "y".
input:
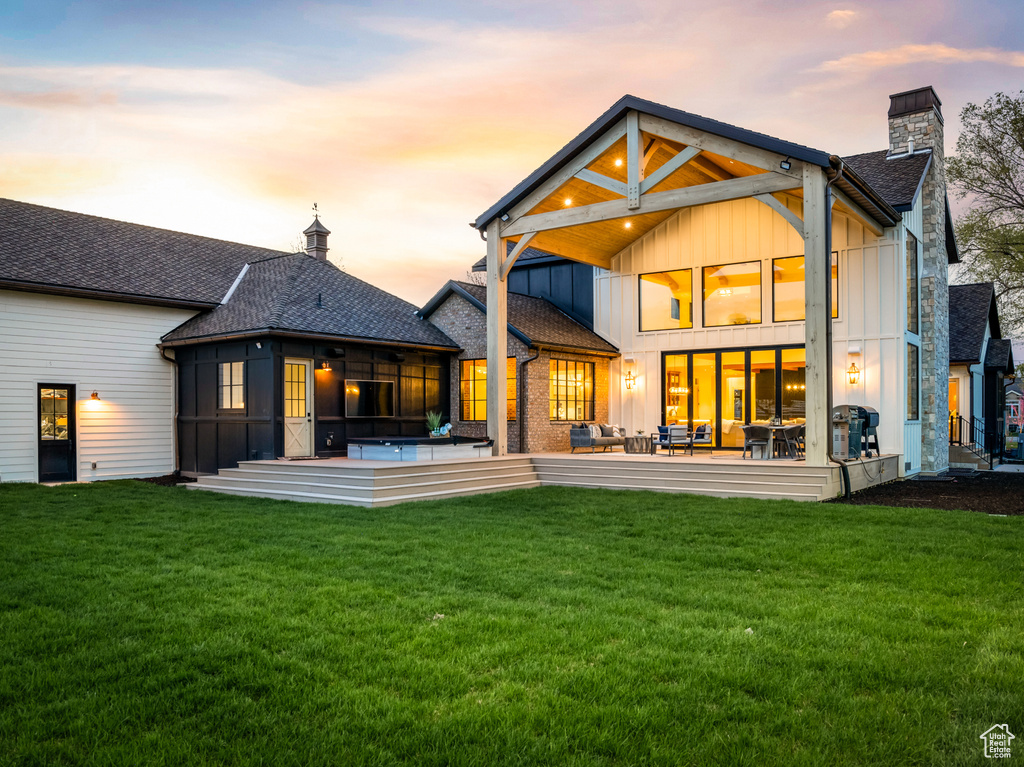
{"x": 56, "y": 433}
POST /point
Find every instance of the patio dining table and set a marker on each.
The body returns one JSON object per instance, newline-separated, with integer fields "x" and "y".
{"x": 769, "y": 453}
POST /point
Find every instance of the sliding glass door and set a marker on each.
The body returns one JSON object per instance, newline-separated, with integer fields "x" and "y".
{"x": 728, "y": 388}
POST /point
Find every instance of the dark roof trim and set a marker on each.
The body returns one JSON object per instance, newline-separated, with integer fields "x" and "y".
{"x": 264, "y": 332}
{"x": 614, "y": 114}
{"x": 952, "y": 251}
{"x": 104, "y": 295}
{"x": 452, "y": 287}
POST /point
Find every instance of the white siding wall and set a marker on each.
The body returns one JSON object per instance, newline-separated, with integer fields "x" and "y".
{"x": 871, "y": 307}
{"x": 101, "y": 346}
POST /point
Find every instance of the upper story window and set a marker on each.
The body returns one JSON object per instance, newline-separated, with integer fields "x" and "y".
{"x": 732, "y": 294}
{"x": 666, "y": 300}
{"x": 231, "y": 385}
{"x": 788, "y": 298}
{"x": 473, "y": 390}
{"x": 913, "y": 286}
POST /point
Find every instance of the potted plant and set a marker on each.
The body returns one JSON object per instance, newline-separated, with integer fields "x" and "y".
{"x": 434, "y": 422}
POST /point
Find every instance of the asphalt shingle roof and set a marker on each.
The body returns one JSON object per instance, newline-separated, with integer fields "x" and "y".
{"x": 897, "y": 180}
{"x": 61, "y": 251}
{"x": 539, "y": 321}
{"x": 301, "y": 294}
{"x": 999, "y": 356}
{"x": 969, "y": 311}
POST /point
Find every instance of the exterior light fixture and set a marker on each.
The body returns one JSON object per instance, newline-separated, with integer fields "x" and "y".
{"x": 326, "y": 366}
{"x": 95, "y": 396}
{"x": 853, "y": 374}
{"x": 630, "y": 380}
{"x": 786, "y": 164}
{"x": 628, "y": 225}
{"x": 618, "y": 162}
{"x": 568, "y": 201}
{"x": 504, "y": 216}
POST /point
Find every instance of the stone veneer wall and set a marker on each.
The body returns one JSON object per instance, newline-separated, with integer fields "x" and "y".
{"x": 467, "y": 326}
{"x": 926, "y": 128}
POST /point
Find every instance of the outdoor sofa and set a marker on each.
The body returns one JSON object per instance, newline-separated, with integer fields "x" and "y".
{"x": 604, "y": 436}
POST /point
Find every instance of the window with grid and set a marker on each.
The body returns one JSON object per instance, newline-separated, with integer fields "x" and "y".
{"x": 231, "y": 384}
{"x": 571, "y": 391}
{"x": 473, "y": 390}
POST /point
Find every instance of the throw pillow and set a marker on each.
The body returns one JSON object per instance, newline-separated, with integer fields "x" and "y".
{"x": 595, "y": 431}
{"x": 663, "y": 430}
{"x": 607, "y": 430}
{"x": 616, "y": 431}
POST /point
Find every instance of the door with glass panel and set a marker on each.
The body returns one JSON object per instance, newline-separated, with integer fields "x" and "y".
{"x": 57, "y": 456}
{"x": 298, "y": 408}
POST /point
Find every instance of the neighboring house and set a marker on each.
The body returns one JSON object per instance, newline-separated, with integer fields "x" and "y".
{"x": 557, "y": 369}
{"x": 979, "y": 361}
{"x": 111, "y": 333}
{"x": 696, "y": 234}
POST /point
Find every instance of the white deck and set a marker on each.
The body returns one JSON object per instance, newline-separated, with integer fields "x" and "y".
{"x": 382, "y": 483}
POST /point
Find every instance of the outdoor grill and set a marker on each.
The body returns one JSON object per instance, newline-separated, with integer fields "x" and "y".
{"x": 869, "y": 430}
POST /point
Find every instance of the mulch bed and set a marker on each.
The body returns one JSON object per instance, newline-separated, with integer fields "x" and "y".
{"x": 991, "y": 492}
{"x": 168, "y": 480}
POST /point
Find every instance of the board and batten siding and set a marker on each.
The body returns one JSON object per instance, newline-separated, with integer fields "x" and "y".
{"x": 103, "y": 346}
{"x": 872, "y": 318}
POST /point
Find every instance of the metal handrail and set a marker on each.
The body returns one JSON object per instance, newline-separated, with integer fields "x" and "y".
{"x": 972, "y": 436}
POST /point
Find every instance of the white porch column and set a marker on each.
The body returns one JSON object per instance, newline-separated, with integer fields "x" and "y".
{"x": 817, "y": 280}
{"x": 497, "y": 341}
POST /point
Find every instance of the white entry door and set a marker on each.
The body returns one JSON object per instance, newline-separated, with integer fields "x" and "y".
{"x": 298, "y": 408}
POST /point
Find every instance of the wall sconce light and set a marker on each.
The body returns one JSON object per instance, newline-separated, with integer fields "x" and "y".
{"x": 853, "y": 374}
{"x": 326, "y": 366}
{"x": 95, "y": 396}
{"x": 630, "y": 380}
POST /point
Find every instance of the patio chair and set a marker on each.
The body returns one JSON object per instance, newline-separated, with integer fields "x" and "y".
{"x": 672, "y": 437}
{"x": 786, "y": 441}
{"x": 701, "y": 437}
{"x": 756, "y": 436}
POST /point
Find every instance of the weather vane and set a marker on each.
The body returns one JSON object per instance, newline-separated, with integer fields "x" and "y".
{"x": 316, "y": 212}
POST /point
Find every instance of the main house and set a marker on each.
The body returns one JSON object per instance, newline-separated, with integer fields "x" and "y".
{"x": 662, "y": 268}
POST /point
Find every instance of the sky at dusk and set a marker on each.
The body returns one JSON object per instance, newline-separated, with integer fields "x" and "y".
{"x": 406, "y": 120}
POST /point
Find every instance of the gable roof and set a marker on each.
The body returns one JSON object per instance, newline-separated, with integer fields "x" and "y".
{"x": 972, "y": 309}
{"x": 299, "y": 295}
{"x": 534, "y": 321}
{"x": 999, "y": 355}
{"x": 56, "y": 251}
{"x": 864, "y": 196}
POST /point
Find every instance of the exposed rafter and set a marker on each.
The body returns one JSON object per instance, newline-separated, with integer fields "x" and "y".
{"x": 780, "y": 207}
{"x": 730, "y": 189}
{"x": 516, "y": 252}
{"x": 598, "y": 179}
{"x": 668, "y": 169}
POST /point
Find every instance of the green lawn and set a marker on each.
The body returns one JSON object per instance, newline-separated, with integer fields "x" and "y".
{"x": 149, "y": 625}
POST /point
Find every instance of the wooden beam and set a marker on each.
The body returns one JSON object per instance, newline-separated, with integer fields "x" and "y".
{"x": 633, "y": 159}
{"x": 668, "y": 169}
{"x": 719, "y": 191}
{"x": 578, "y": 163}
{"x": 598, "y": 179}
{"x": 817, "y": 280}
{"x": 779, "y": 207}
{"x": 516, "y": 252}
{"x": 497, "y": 341}
{"x": 856, "y": 211}
{"x": 649, "y": 151}
{"x": 759, "y": 158}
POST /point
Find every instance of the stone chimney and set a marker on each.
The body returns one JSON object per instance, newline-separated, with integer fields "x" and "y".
{"x": 316, "y": 239}
{"x": 915, "y": 125}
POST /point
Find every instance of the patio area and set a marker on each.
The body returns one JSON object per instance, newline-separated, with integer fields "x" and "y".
{"x": 724, "y": 474}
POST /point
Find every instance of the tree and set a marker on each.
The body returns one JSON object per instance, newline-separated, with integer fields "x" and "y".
{"x": 988, "y": 171}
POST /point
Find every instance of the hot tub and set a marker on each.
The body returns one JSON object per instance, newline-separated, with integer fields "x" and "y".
{"x": 417, "y": 448}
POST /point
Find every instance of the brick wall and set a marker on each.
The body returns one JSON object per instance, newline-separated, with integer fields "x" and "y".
{"x": 467, "y": 326}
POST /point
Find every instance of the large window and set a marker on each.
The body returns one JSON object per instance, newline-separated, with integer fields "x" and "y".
{"x": 473, "y": 390}
{"x": 913, "y": 382}
{"x": 725, "y": 389}
{"x": 231, "y": 385}
{"x": 913, "y": 287}
{"x": 666, "y": 300}
{"x": 732, "y": 294}
{"x": 571, "y": 391}
{"x": 788, "y": 298}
